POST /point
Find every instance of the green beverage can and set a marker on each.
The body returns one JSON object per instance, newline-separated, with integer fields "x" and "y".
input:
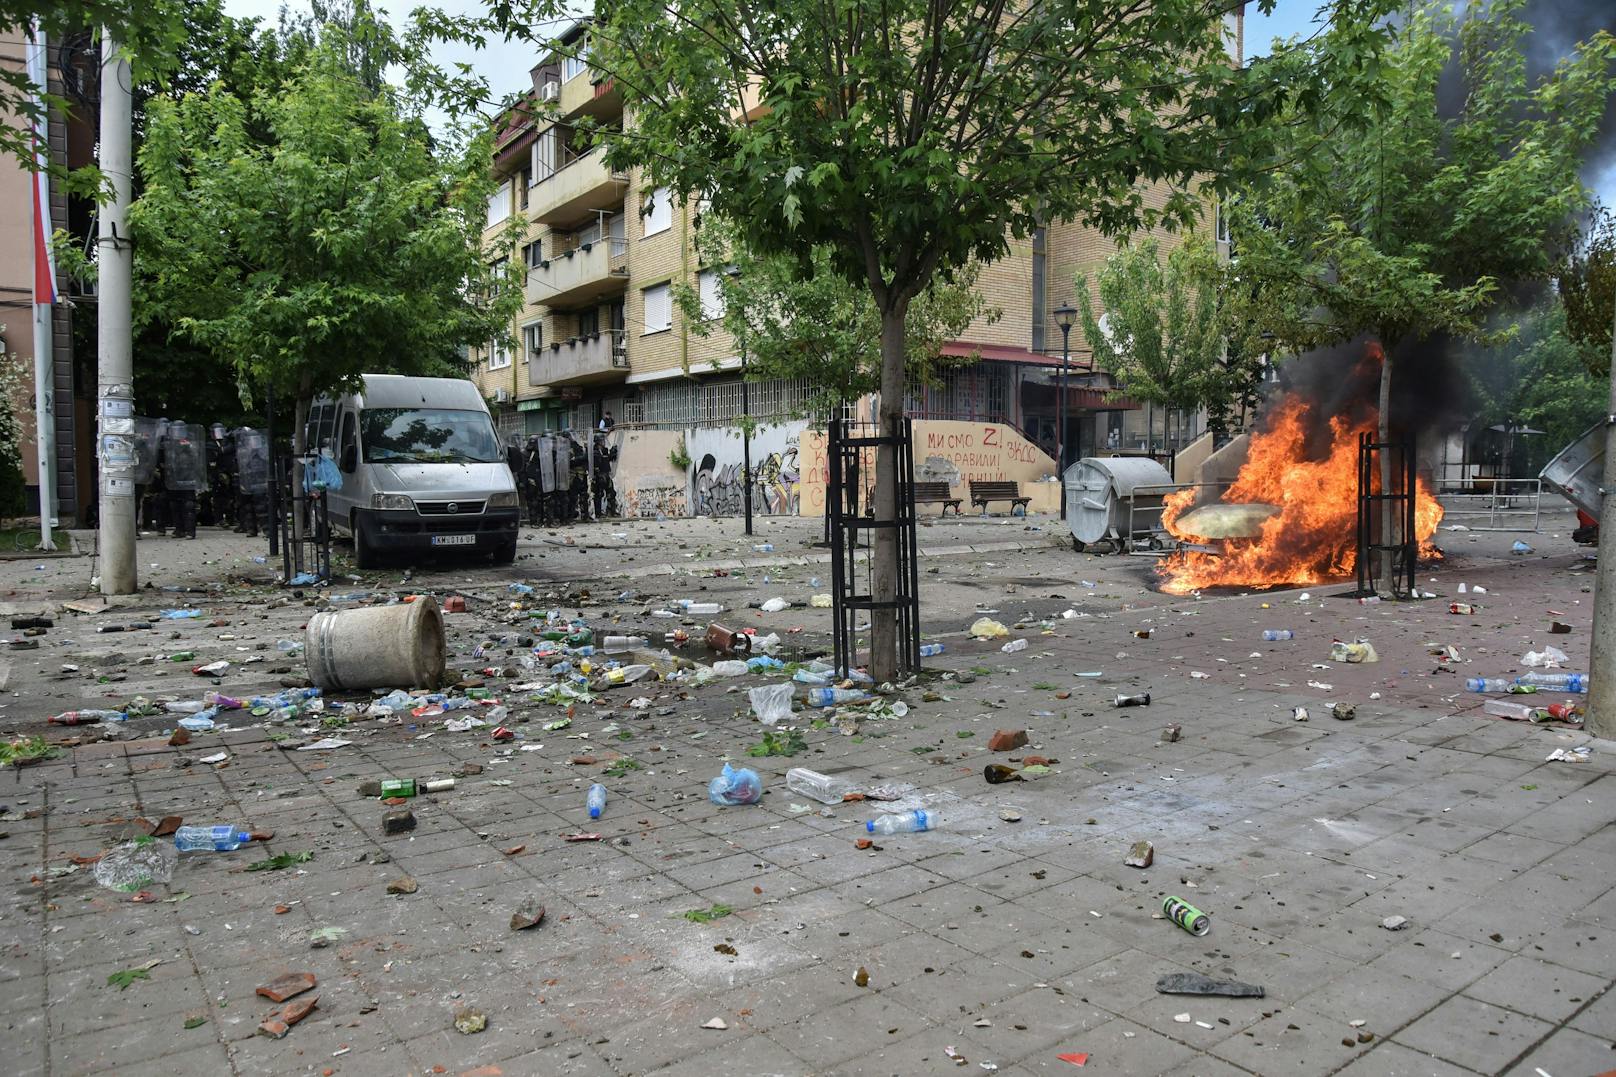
{"x": 1186, "y": 916}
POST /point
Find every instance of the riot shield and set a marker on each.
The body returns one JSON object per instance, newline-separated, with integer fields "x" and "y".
{"x": 252, "y": 460}
{"x": 185, "y": 457}
{"x": 147, "y": 443}
{"x": 553, "y": 457}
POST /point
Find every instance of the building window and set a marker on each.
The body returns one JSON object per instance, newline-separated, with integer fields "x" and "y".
{"x": 532, "y": 340}
{"x": 499, "y": 204}
{"x": 658, "y": 308}
{"x": 524, "y": 180}
{"x": 589, "y": 322}
{"x": 573, "y": 66}
{"x": 712, "y": 296}
{"x": 658, "y": 211}
{"x": 499, "y": 356}
{"x": 532, "y": 254}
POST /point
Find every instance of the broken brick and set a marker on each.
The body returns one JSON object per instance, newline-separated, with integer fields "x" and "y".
{"x": 1007, "y": 740}
{"x": 1037, "y": 761}
{"x": 179, "y": 738}
{"x": 284, "y": 987}
{"x": 483, "y": 1071}
{"x": 528, "y": 914}
{"x": 292, "y": 1014}
{"x": 1141, "y": 855}
{"x": 274, "y": 1029}
{"x": 404, "y": 884}
{"x": 584, "y": 761}
{"x": 167, "y": 825}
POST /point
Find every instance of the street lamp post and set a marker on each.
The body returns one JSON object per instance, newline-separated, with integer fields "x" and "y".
{"x": 1065, "y": 316}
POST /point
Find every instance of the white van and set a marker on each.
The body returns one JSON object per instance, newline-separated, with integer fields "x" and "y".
{"x": 422, "y": 469}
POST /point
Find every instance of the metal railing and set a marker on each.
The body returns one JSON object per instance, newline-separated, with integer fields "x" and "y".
{"x": 1495, "y": 505}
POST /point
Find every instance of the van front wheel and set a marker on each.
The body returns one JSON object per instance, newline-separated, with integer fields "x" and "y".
{"x": 505, "y": 554}
{"x": 364, "y": 554}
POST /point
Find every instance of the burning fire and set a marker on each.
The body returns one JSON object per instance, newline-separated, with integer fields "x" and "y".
{"x": 1313, "y": 536}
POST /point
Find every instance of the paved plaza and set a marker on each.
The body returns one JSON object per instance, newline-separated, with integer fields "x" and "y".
{"x": 1011, "y": 939}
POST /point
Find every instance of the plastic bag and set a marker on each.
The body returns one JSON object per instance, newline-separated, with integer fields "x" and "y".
{"x": 988, "y": 628}
{"x": 1547, "y": 658}
{"x": 1361, "y": 651}
{"x": 775, "y": 605}
{"x": 766, "y": 644}
{"x": 819, "y": 602}
{"x": 735, "y": 787}
{"x": 136, "y": 865}
{"x": 729, "y": 668}
{"x": 772, "y": 702}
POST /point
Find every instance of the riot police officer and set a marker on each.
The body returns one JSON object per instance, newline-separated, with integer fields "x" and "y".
{"x": 221, "y": 476}
{"x": 578, "y": 488}
{"x": 185, "y": 474}
{"x": 252, "y": 480}
{"x": 605, "y": 489}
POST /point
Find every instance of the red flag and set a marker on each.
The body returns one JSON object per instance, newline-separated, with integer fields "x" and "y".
{"x": 44, "y": 267}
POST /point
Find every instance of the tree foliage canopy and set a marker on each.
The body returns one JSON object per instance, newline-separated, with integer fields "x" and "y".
{"x": 309, "y": 232}
{"x": 1162, "y": 336}
{"x": 1587, "y": 283}
{"x": 1416, "y": 217}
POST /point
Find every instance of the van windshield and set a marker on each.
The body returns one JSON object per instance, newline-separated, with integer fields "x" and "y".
{"x": 428, "y": 436}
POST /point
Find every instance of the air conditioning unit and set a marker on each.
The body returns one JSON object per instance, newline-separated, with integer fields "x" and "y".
{"x": 501, "y": 395}
{"x": 550, "y": 91}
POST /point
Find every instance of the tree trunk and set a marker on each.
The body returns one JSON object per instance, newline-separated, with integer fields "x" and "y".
{"x": 1602, "y": 649}
{"x": 884, "y": 554}
{"x": 1383, "y": 433}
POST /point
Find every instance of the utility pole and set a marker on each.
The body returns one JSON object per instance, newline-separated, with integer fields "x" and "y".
{"x": 115, "y": 445}
{"x": 1602, "y": 650}
{"x": 44, "y": 296}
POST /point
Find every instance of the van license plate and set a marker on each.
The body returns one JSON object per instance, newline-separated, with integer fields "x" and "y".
{"x": 454, "y": 540}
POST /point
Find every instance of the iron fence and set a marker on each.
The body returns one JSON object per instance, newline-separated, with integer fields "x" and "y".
{"x": 1495, "y": 505}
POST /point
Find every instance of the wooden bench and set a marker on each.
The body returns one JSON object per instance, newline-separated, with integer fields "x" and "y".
{"x": 936, "y": 493}
{"x": 983, "y": 492}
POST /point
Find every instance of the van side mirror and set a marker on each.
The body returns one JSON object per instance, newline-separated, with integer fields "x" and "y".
{"x": 350, "y": 458}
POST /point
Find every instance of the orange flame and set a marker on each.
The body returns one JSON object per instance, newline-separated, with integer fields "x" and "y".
{"x": 1313, "y": 536}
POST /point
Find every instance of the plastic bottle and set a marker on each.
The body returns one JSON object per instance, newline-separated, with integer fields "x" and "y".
{"x": 1505, "y": 708}
{"x": 929, "y": 650}
{"x": 211, "y": 839}
{"x": 1369, "y": 600}
{"x": 1560, "y": 682}
{"x": 595, "y": 801}
{"x": 182, "y": 656}
{"x": 185, "y": 706}
{"x": 627, "y": 674}
{"x": 831, "y": 697}
{"x": 1462, "y": 608}
{"x": 677, "y": 638}
{"x": 701, "y": 609}
{"x": 909, "y": 822}
{"x": 1014, "y": 645}
{"x": 1491, "y": 684}
{"x": 87, "y": 717}
{"x": 622, "y": 643}
{"x": 763, "y": 547}
{"x": 521, "y": 589}
{"x": 1272, "y": 635}
{"x": 817, "y": 786}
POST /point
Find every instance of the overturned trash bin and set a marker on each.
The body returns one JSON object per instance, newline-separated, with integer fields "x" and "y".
{"x": 379, "y": 647}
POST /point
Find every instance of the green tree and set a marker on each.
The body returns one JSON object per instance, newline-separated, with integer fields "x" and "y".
{"x": 1537, "y": 377}
{"x": 1417, "y": 222}
{"x": 15, "y": 381}
{"x": 340, "y": 243}
{"x": 1161, "y": 336}
{"x": 914, "y": 138}
{"x": 814, "y": 324}
{"x": 1587, "y": 283}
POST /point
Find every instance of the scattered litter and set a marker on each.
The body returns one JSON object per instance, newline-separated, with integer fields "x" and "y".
{"x": 136, "y": 865}
{"x": 1076, "y": 1058}
{"x": 1356, "y": 652}
{"x": 322, "y": 744}
{"x": 1141, "y": 855}
{"x": 987, "y": 628}
{"x": 734, "y": 787}
{"x": 1394, "y": 923}
{"x": 717, "y": 1024}
{"x": 1186, "y": 916}
{"x": 1569, "y": 755}
{"x": 469, "y": 1022}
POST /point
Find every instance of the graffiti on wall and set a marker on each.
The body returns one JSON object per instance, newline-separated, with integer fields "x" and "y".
{"x": 654, "y": 497}
{"x": 717, "y": 480}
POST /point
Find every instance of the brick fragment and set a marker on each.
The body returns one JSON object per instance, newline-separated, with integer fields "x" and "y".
{"x": 284, "y": 987}
{"x": 1007, "y": 740}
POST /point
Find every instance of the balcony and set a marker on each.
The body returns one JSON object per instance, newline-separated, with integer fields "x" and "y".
{"x": 581, "y": 186}
{"x": 587, "y": 272}
{"x": 598, "y": 357}
{"x": 581, "y": 95}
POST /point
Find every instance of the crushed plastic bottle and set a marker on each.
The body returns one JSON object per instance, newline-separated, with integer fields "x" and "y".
{"x": 212, "y": 839}
{"x": 816, "y": 786}
{"x": 835, "y": 697}
{"x": 136, "y": 865}
{"x": 627, "y": 674}
{"x": 595, "y": 800}
{"x": 87, "y": 717}
{"x": 909, "y": 822}
{"x": 179, "y": 615}
{"x": 520, "y": 589}
{"x": 1014, "y": 645}
{"x": 763, "y": 547}
{"x": 734, "y": 787}
{"x": 198, "y": 723}
{"x": 621, "y": 643}
{"x": 1274, "y": 635}
{"x": 1560, "y": 682}
{"x": 930, "y": 650}
{"x": 1495, "y": 685}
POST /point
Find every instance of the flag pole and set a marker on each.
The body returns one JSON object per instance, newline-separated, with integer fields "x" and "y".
{"x": 44, "y": 297}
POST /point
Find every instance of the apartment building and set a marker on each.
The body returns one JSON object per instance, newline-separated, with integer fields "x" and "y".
{"x": 601, "y": 333}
